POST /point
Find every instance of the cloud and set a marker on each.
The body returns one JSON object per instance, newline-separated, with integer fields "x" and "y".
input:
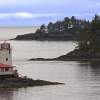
{"x": 49, "y": 6}
{"x": 21, "y": 15}
{"x": 25, "y": 15}
{"x": 43, "y": 11}
{"x": 46, "y": 17}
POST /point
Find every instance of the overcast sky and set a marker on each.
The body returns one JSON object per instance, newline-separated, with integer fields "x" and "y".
{"x": 36, "y": 12}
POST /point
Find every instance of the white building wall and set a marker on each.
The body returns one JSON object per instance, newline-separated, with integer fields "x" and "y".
{"x": 6, "y": 73}
{"x": 6, "y": 57}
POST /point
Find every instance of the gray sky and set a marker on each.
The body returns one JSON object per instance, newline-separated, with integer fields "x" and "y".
{"x": 36, "y": 12}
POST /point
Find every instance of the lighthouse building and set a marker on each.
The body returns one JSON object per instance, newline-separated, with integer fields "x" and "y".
{"x": 6, "y": 68}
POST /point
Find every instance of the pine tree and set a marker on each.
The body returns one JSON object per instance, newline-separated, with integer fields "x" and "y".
{"x": 89, "y": 38}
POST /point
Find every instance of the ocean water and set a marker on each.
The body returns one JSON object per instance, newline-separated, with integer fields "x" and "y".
{"x": 11, "y": 32}
{"x": 82, "y": 79}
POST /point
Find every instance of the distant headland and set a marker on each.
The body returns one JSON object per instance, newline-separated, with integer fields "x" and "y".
{"x": 64, "y": 30}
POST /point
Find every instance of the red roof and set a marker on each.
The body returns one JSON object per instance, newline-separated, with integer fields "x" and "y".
{"x": 5, "y": 66}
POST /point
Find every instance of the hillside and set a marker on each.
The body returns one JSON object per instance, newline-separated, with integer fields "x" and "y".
{"x": 67, "y": 29}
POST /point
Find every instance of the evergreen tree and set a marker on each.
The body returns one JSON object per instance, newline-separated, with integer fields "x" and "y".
{"x": 89, "y": 37}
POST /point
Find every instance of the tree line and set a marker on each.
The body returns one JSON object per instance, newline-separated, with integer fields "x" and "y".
{"x": 67, "y": 27}
{"x": 86, "y": 32}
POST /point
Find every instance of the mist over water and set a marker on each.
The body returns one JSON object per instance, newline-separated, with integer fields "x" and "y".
{"x": 82, "y": 79}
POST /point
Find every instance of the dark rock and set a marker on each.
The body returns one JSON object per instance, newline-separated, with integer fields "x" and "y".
{"x": 44, "y": 37}
{"x": 24, "y": 82}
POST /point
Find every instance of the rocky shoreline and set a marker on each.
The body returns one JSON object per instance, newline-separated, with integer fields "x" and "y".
{"x": 20, "y": 82}
{"x": 75, "y": 55}
{"x": 46, "y": 37}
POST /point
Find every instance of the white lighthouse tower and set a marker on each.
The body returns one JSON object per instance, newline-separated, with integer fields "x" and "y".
{"x": 5, "y": 53}
{"x": 6, "y": 68}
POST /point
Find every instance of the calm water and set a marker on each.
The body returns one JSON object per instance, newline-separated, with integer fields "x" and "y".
{"x": 12, "y": 32}
{"x": 82, "y": 79}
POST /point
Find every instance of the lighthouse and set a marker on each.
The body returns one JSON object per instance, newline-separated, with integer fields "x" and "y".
{"x": 5, "y": 53}
{"x": 6, "y": 67}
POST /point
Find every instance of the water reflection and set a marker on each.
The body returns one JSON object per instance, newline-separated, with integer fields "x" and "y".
{"x": 82, "y": 82}
{"x": 93, "y": 66}
{"x": 6, "y": 94}
{"x": 90, "y": 71}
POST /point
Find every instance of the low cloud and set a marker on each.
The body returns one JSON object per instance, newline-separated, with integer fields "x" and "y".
{"x": 24, "y": 15}
{"x": 21, "y": 15}
{"x": 42, "y": 16}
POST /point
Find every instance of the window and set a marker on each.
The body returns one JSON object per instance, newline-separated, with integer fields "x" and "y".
{"x": 6, "y": 69}
{"x": 2, "y": 70}
{"x": 6, "y": 59}
{"x": 9, "y": 51}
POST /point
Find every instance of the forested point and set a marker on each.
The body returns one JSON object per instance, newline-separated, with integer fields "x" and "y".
{"x": 88, "y": 44}
{"x": 86, "y": 33}
{"x": 67, "y": 29}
